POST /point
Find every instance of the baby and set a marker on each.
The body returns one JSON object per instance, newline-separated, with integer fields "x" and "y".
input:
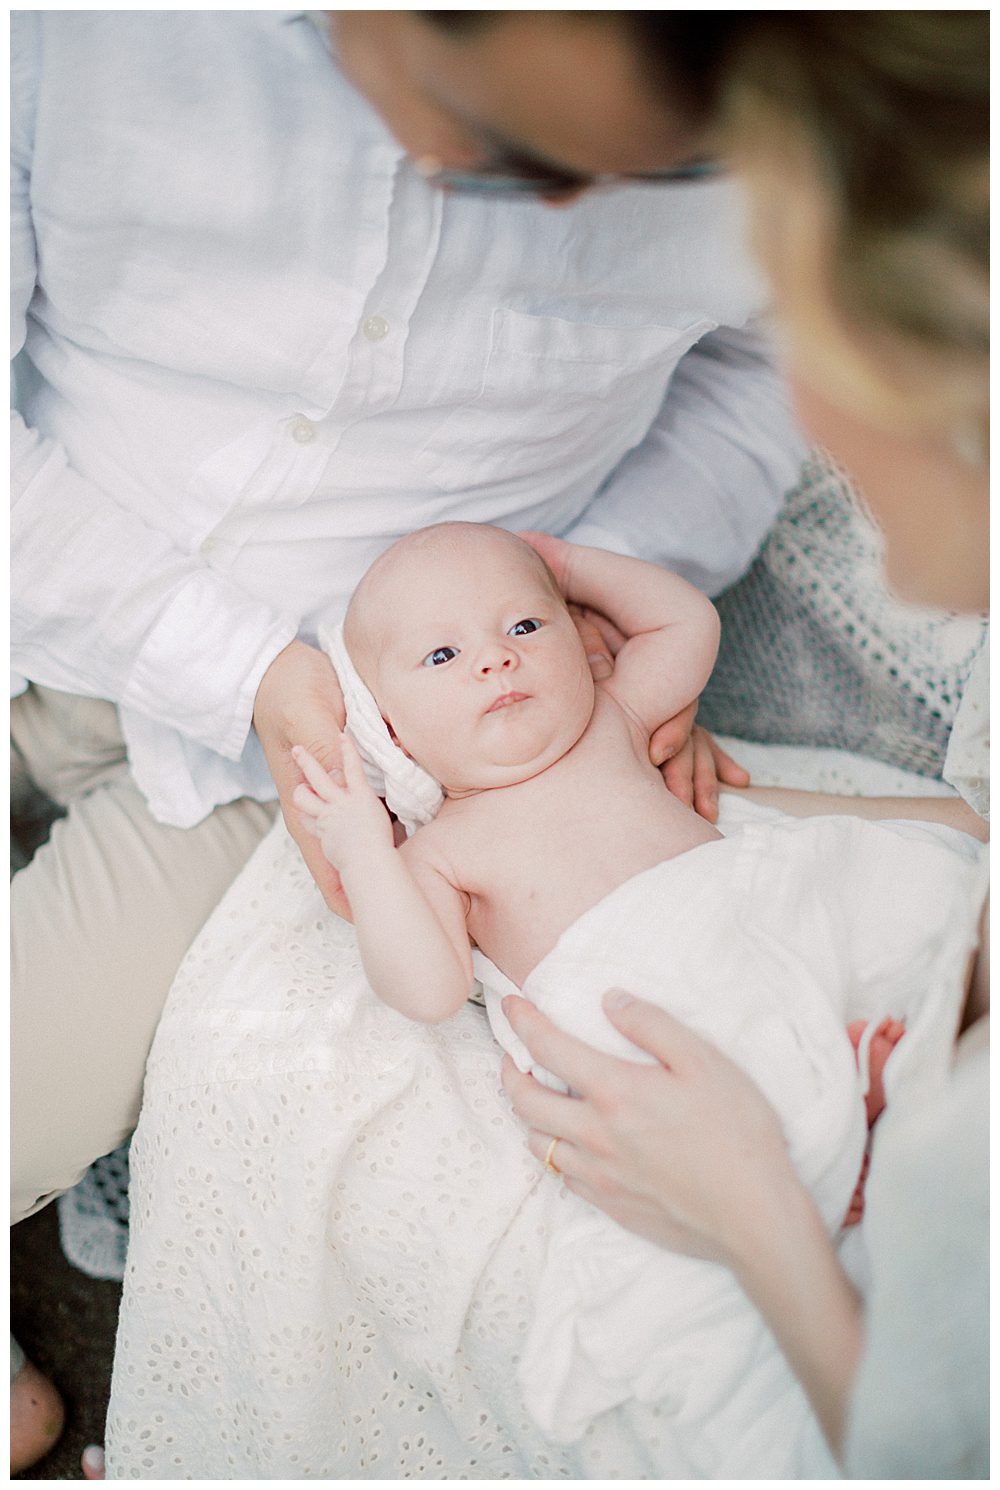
{"x": 559, "y": 852}
{"x": 463, "y": 635}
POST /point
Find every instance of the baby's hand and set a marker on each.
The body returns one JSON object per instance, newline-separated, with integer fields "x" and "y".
{"x": 555, "y": 551}
{"x": 339, "y": 807}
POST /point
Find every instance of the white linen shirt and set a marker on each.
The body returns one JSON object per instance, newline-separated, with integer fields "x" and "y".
{"x": 256, "y": 347}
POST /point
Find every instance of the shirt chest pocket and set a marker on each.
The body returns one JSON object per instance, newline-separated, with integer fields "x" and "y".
{"x": 559, "y": 398}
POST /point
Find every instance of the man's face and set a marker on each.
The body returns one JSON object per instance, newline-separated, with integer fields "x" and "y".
{"x": 535, "y": 92}
{"x": 475, "y": 661}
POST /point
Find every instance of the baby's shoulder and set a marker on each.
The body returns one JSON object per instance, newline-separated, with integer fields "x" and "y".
{"x": 442, "y": 845}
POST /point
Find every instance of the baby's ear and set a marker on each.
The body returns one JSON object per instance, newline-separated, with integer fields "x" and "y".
{"x": 395, "y": 738}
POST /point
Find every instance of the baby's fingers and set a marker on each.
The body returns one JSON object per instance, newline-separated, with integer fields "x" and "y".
{"x": 311, "y": 769}
{"x": 307, "y": 801}
{"x": 354, "y": 771}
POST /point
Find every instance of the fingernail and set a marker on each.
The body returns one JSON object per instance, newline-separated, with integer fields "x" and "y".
{"x": 93, "y": 1458}
{"x": 600, "y": 666}
{"x": 617, "y": 998}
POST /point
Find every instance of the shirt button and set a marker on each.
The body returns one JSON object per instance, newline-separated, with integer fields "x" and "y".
{"x": 303, "y": 432}
{"x": 375, "y": 327}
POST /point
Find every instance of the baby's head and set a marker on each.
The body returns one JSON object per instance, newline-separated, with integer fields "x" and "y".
{"x": 464, "y": 640}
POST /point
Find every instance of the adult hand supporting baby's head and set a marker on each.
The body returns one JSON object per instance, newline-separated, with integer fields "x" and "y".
{"x": 299, "y": 702}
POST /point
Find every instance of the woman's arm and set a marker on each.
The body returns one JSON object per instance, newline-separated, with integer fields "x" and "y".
{"x": 953, "y": 812}
{"x": 410, "y": 921}
{"x": 690, "y": 1154}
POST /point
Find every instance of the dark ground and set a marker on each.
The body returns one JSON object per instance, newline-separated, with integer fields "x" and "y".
{"x": 66, "y": 1324}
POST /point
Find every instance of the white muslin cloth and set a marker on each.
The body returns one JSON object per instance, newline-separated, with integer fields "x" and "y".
{"x": 768, "y": 943}
{"x": 410, "y": 791}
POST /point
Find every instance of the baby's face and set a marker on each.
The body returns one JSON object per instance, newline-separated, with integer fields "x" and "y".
{"x": 474, "y": 659}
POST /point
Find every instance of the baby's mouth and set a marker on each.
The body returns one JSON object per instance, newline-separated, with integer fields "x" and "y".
{"x": 505, "y": 700}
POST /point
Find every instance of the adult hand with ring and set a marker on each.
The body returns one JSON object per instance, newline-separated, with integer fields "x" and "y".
{"x": 687, "y": 1152}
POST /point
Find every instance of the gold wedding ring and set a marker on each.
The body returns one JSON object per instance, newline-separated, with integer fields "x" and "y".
{"x": 552, "y": 1168}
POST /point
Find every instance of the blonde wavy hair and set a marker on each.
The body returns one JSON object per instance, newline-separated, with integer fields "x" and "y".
{"x": 863, "y": 137}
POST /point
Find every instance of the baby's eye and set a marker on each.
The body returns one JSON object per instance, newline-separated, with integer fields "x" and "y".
{"x": 440, "y": 656}
{"x": 524, "y": 628}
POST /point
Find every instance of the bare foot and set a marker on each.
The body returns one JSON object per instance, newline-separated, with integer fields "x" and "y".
{"x": 36, "y": 1417}
{"x": 92, "y": 1462}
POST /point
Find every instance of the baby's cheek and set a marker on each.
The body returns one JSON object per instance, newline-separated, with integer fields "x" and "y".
{"x": 585, "y": 691}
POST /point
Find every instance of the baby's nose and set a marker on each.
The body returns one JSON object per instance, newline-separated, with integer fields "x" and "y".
{"x": 497, "y": 659}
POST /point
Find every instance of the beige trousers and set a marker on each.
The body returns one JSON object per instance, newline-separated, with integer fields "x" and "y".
{"x": 100, "y": 920}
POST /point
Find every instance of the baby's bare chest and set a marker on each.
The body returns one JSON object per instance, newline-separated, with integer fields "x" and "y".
{"x": 534, "y": 857}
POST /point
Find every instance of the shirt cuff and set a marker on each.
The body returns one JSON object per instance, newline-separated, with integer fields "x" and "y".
{"x": 201, "y": 663}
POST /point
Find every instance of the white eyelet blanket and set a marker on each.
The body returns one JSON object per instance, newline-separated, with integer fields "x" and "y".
{"x": 337, "y": 1232}
{"x": 814, "y": 651}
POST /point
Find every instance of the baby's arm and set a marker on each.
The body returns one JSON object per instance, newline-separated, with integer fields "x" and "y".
{"x": 672, "y": 629}
{"x": 409, "y": 918}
